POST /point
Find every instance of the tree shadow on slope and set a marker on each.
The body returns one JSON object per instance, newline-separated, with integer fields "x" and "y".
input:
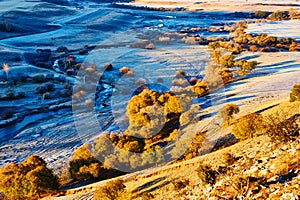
{"x": 152, "y": 183}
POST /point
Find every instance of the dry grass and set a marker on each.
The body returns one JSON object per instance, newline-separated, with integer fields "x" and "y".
{"x": 257, "y": 157}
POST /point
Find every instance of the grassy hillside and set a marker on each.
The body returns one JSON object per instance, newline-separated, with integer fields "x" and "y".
{"x": 255, "y": 168}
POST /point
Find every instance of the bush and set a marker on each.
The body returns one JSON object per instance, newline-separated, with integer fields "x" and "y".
{"x": 10, "y": 94}
{"x": 38, "y": 78}
{"x": 279, "y": 15}
{"x": 242, "y": 184}
{"x": 147, "y": 196}
{"x": 124, "y": 70}
{"x": 246, "y": 66}
{"x": 180, "y": 184}
{"x": 21, "y": 94}
{"x": 227, "y": 60}
{"x": 180, "y": 74}
{"x": 47, "y": 95}
{"x": 280, "y": 128}
{"x": 49, "y": 86}
{"x": 65, "y": 93}
{"x": 247, "y": 126}
{"x": 253, "y": 48}
{"x": 27, "y": 180}
{"x": 111, "y": 191}
{"x": 206, "y": 174}
{"x": 7, "y": 114}
{"x": 295, "y": 93}
{"x": 41, "y": 89}
{"x": 294, "y": 14}
{"x": 226, "y": 75}
{"x": 261, "y": 14}
{"x": 200, "y": 88}
{"x": 229, "y": 159}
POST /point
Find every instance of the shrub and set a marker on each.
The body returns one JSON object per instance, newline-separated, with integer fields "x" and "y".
{"x": 227, "y": 60}
{"x": 188, "y": 116}
{"x": 253, "y": 48}
{"x": 180, "y": 184}
{"x": 125, "y": 70}
{"x": 38, "y": 78}
{"x": 216, "y": 55}
{"x": 27, "y": 180}
{"x": 111, "y": 191}
{"x": 279, "y": 15}
{"x": 41, "y": 89}
{"x": 243, "y": 184}
{"x": 281, "y": 128}
{"x": 47, "y": 95}
{"x": 180, "y": 74}
{"x": 214, "y": 45}
{"x": 206, "y": 174}
{"x": 247, "y": 126}
{"x": 49, "y": 86}
{"x": 160, "y": 80}
{"x": 21, "y": 94}
{"x": 200, "y": 88}
{"x": 140, "y": 107}
{"x": 246, "y": 66}
{"x": 104, "y": 146}
{"x": 65, "y": 93}
{"x": 261, "y": 14}
{"x": 147, "y": 196}
{"x": 229, "y": 159}
{"x": 294, "y": 14}
{"x": 134, "y": 146}
{"x": 7, "y": 114}
{"x": 10, "y": 94}
{"x": 226, "y": 75}
{"x": 295, "y": 93}
{"x": 152, "y": 156}
{"x": 195, "y": 147}
{"x": 190, "y": 40}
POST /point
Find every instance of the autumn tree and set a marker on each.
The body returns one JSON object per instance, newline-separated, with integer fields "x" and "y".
{"x": 29, "y": 179}
{"x": 295, "y": 93}
{"x": 104, "y": 145}
{"x": 247, "y": 126}
{"x": 227, "y": 112}
{"x": 150, "y": 111}
{"x": 84, "y": 165}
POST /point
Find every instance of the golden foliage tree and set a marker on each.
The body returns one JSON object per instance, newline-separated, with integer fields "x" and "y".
{"x": 28, "y": 179}
{"x": 295, "y": 93}
{"x": 247, "y": 126}
{"x": 227, "y": 112}
{"x": 84, "y": 165}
